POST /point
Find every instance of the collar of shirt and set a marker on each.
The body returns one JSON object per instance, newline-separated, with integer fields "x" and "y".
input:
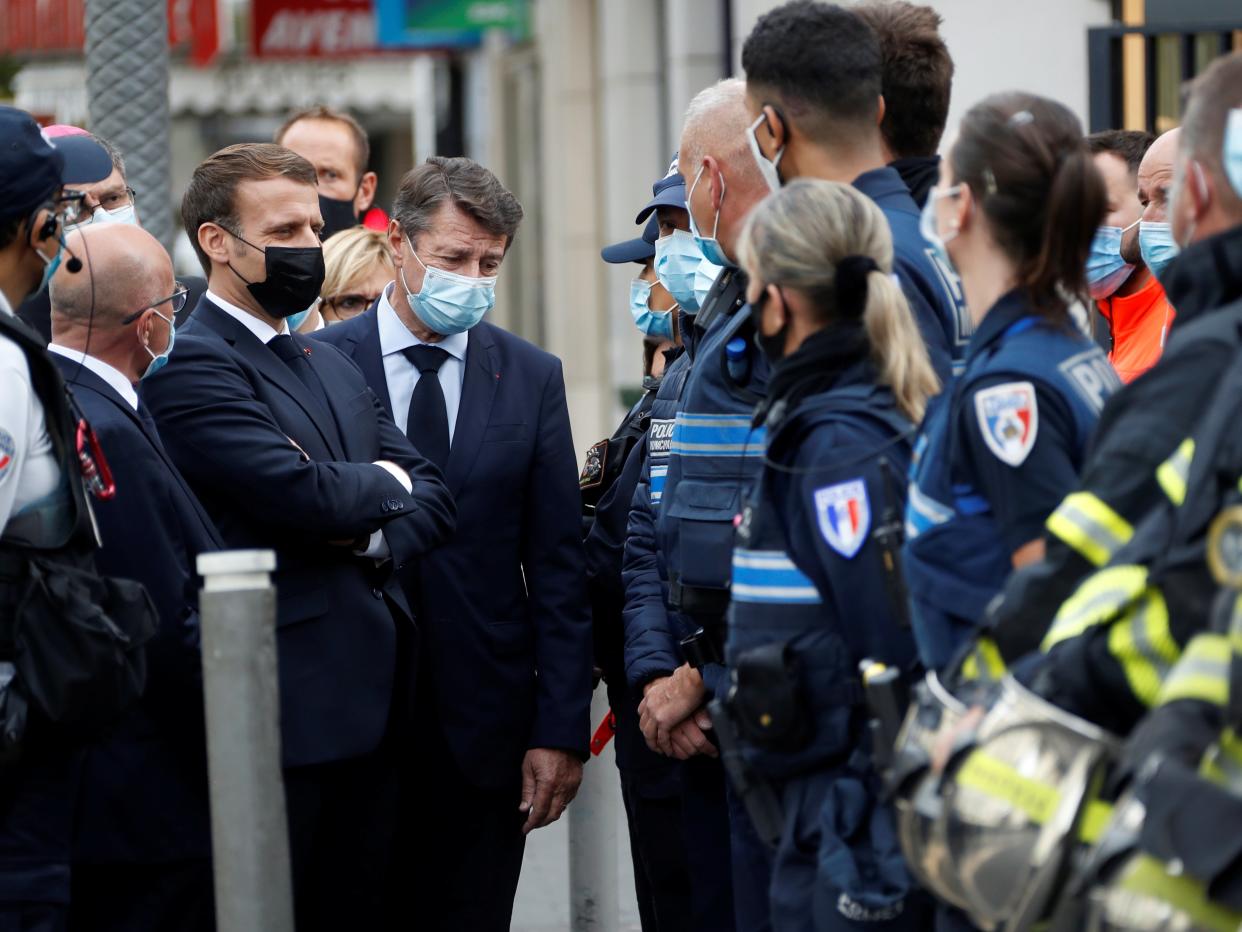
{"x": 5, "y": 307}
{"x": 395, "y": 336}
{"x": 885, "y": 187}
{"x": 115, "y": 379}
{"x": 262, "y": 331}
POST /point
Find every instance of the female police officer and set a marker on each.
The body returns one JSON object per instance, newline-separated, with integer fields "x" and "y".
{"x": 1015, "y": 212}
{"x": 814, "y": 585}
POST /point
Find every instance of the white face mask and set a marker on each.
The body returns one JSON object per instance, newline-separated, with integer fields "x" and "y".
{"x": 126, "y": 215}
{"x": 769, "y": 170}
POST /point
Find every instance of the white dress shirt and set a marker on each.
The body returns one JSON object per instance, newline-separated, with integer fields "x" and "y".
{"x": 113, "y": 377}
{"x": 401, "y": 374}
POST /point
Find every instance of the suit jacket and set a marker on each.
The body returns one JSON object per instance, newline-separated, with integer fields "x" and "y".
{"x": 276, "y": 470}
{"x": 503, "y": 604}
{"x": 143, "y": 794}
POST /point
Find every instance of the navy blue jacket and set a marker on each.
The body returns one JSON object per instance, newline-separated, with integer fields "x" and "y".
{"x": 143, "y": 794}
{"x": 933, "y": 291}
{"x": 275, "y": 470}
{"x": 503, "y": 603}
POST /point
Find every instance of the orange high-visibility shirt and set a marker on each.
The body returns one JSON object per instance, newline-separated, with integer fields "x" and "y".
{"x": 1140, "y": 325}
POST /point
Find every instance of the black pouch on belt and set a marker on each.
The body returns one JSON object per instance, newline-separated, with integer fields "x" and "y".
{"x": 767, "y": 700}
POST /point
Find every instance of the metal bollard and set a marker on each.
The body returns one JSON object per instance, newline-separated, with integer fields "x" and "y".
{"x": 249, "y": 833}
{"x": 593, "y": 817}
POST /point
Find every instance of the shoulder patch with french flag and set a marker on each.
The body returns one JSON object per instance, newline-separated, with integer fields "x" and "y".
{"x": 844, "y": 515}
{"x": 7, "y": 450}
{"x": 1009, "y": 420}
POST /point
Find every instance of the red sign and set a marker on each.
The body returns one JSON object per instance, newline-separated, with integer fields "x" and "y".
{"x": 58, "y": 26}
{"x": 311, "y": 28}
{"x": 42, "y": 25}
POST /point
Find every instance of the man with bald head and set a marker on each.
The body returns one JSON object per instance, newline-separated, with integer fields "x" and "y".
{"x": 142, "y": 845}
{"x": 1155, "y": 179}
{"x": 1144, "y": 424}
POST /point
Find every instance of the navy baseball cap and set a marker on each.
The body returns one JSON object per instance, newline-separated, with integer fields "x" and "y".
{"x": 32, "y": 167}
{"x": 669, "y": 191}
{"x": 639, "y": 249}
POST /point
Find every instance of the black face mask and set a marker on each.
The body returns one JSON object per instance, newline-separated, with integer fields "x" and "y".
{"x": 294, "y": 278}
{"x": 773, "y": 347}
{"x": 338, "y": 215}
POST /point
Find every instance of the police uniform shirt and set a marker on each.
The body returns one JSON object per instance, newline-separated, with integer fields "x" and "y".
{"x": 401, "y": 374}
{"x": 1018, "y": 439}
{"x": 29, "y": 471}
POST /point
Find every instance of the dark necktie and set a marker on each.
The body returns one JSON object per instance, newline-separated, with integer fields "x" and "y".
{"x": 427, "y": 425}
{"x": 294, "y": 357}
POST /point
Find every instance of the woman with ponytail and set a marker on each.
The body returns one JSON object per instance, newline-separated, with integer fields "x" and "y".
{"x": 816, "y": 585}
{"x": 1018, "y": 203}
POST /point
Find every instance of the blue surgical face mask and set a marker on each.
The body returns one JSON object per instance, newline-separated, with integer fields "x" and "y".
{"x": 657, "y": 324}
{"x": 1157, "y": 245}
{"x": 296, "y": 320}
{"x": 449, "y": 303}
{"x": 704, "y": 278}
{"x": 1232, "y": 156}
{"x": 160, "y": 360}
{"x": 677, "y": 259}
{"x": 927, "y": 225}
{"x": 1106, "y": 270}
{"x": 50, "y": 265}
{"x": 708, "y": 245}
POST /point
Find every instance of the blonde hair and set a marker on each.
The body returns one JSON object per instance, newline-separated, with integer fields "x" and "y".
{"x": 350, "y": 256}
{"x": 796, "y": 237}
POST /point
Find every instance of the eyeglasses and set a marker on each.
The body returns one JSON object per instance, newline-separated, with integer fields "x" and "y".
{"x": 351, "y": 303}
{"x": 177, "y": 299}
{"x": 113, "y": 200}
{"x": 69, "y": 207}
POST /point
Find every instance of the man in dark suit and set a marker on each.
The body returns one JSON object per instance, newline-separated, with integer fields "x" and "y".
{"x": 505, "y": 675}
{"x": 287, "y": 448}
{"x": 142, "y": 842}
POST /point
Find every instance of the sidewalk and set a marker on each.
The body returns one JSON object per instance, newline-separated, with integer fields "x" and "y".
{"x": 543, "y": 893}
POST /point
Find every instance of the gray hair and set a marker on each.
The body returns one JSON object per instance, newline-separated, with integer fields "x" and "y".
{"x": 1209, "y": 98}
{"x": 715, "y": 124}
{"x": 460, "y": 181}
{"x": 796, "y": 237}
{"x": 118, "y": 162}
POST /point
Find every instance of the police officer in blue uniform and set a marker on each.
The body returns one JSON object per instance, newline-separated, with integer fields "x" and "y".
{"x": 1014, "y": 213}
{"x": 816, "y": 584}
{"x": 814, "y": 76}
{"x": 650, "y": 782}
{"x": 677, "y": 645}
{"x": 652, "y": 653}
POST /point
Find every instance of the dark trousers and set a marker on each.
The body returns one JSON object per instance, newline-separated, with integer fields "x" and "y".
{"x": 705, "y": 821}
{"x": 752, "y": 869}
{"x": 341, "y": 824}
{"x": 37, "y": 796}
{"x": 172, "y": 897}
{"x": 658, "y": 850}
{"x": 459, "y": 847}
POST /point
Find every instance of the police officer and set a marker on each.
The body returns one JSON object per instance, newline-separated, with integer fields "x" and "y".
{"x": 652, "y": 653}
{"x": 1015, "y": 212}
{"x": 713, "y": 455}
{"x": 45, "y": 531}
{"x": 814, "y": 79}
{"x": 650, "y": 784}
{"x": 815, "y": 580}
{"x": 1144, "y": 424}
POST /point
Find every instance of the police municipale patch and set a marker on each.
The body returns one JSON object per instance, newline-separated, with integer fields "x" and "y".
{"x": 844, "y": 516}
{"x": 1009, "y": 420}
{"x": 7, "y": 449}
